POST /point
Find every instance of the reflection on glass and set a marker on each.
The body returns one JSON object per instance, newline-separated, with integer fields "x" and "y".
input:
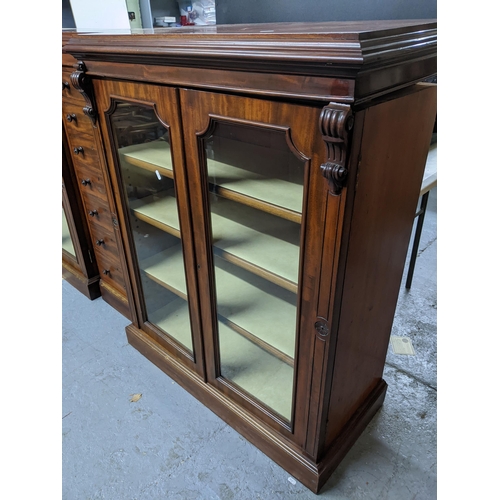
{"x": 67, "y": 243}
{"x": 148, "y": 179}
{"x": 255, "y": 192}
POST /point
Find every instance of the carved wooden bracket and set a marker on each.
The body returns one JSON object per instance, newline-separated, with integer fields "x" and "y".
{"x": 82, "y": 83}
{"x": 335, "y": 123}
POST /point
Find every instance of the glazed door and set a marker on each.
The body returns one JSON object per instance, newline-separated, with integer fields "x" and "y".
{"x": 250, "y": 164}
{"x": 142, "y": 137}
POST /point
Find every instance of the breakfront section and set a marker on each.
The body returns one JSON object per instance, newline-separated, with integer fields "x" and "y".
{"x": 265, "y": 180}
{"x": 84, "y": 162}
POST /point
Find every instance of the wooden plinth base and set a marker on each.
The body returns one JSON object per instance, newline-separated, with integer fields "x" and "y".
{"x": 89, "y": 287}
{"x": 285, "y": 453}
{"x": 115, "y": 299}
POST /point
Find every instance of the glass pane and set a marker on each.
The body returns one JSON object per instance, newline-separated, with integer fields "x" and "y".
{"x": 148, "y": 179}
{"x": 67, "y": 243}
{"x": 255, "y": 187}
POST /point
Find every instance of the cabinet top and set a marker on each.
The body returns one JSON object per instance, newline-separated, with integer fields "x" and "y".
{"x": 331, "y": 49}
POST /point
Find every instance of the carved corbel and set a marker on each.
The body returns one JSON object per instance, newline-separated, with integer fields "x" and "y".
{"x": 82, "y": 83}
{"x": 335, "y": 123}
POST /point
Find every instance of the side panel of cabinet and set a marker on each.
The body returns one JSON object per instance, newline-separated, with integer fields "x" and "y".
{"x": 392, "y": 142}
{"x": 142, "y": 136}
{"x": 211, "y": 123}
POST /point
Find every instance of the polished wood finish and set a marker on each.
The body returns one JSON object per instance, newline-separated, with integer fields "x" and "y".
{"x": 90, "y": 193}
{"x": 165, "y": 103}
{"x": 80, "y": 268}
{"x": 343, "y": 99}
{"x": 392, "y": 53}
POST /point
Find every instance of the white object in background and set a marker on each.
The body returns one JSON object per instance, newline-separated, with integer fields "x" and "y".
{"x": 95, "y": 15}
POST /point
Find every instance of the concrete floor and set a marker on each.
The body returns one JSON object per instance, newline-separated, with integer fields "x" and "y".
{"x": 167, "y": 445}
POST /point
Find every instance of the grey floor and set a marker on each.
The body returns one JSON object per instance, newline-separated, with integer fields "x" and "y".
{"x": 167, "y": 445}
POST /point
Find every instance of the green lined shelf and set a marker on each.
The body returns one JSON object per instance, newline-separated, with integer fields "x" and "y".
{"x": 241, "y": 235}
{"x": 152, "y": 156}
{"x": 264, "y": 313}
{"x": 272, "y": 195}
{"x": 159, "y": 210}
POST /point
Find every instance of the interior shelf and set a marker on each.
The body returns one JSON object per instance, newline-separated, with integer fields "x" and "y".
{"x": 243, "y": 362}
{"x": 252, "y": 368}
{"x": 253, "y": 240}
{"x": 173, "y": 319}
{"x": 267, "y": 250}
{"x": 167, "y": 269}
{"x": 159, "y": 210}
{"x": 272, "y": 195}
{"x": 152, "y": 156}
{"x": 264, "y": 313}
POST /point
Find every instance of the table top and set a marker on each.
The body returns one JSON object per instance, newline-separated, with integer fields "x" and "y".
{"x": 430, "y": 173}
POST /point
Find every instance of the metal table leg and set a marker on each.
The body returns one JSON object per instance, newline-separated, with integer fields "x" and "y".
{"x": 416, "y": 240}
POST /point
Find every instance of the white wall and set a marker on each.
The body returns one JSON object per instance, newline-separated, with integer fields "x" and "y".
{"x": 92, "y": 15}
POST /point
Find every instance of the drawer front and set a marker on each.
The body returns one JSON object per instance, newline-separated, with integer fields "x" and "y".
{"x": 68, "y": 91}
{"x": 84, "y": 153}
{"x": 111, "y": 272}
{"x": 91, "y": 180}
{"x": 97, "y": 211}
{"x": 76, "y": 120}
{"x": 104, "y": 244}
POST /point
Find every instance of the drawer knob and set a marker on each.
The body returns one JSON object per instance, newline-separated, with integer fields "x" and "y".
{"x": 93, "y": 213}
{"x": 99, "y": 242}
{"x": 65, "y": 85}
{"x": 106, "y": 271}
{"x": 78, "y": 150}
{"x": 71, "y": 117}
{"x": 86, "y": 182}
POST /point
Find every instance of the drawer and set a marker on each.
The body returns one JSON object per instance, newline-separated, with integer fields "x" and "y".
{"x": 68, "y": 91}
{"x": 97, "y": 212}
{"x": 84, "y": 153}
{"x": 76, "y": 120}
{"x": 104, "y": 244}
{"x": 90, "y": 179}
{"x": 111, "y": 272}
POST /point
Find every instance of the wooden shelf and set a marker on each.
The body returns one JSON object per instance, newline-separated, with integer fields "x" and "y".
{"x": 167, "y": 269}
{"x": 173, "y": 319}
{"x": 152, "y": 156}
{"x": 275, "y": 196}
{"x": 262, "y": 314}
{"x": 243, "y": 361}
{"x": 268, "y": 250}
{"x": 252, "y": 368}
{"x": 256, "y": 306}
{"x": 256, "y": 241}
{"x": 159, "y": 210}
